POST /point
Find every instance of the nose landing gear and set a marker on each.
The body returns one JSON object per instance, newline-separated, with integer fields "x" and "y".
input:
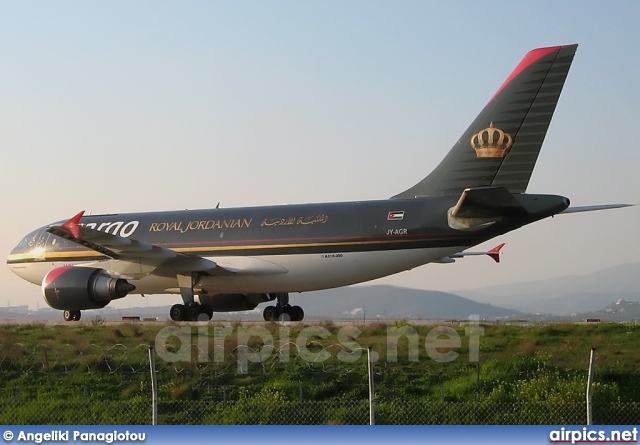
{"x": 72, "y": 315}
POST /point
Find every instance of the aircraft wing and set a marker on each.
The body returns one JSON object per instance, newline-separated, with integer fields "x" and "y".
{"x": 131, "y": 257}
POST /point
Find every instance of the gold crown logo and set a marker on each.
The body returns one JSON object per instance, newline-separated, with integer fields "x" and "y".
{"x": 491, "y": 142}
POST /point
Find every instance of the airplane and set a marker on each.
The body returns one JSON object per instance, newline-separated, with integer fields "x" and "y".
{"x": 233, "y": 259}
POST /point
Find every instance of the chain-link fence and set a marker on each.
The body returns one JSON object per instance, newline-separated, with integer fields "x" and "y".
{"x": 339, "y": 412}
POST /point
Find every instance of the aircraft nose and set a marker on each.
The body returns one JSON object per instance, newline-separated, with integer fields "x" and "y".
{"x": 20, "y": 256}
{"x": 15, "y": 258}
{"x": 14, "y": 264}
{"x": 11, "y": 255}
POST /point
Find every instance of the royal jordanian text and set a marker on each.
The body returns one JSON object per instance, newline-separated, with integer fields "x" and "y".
{"x": 182, "y": 227}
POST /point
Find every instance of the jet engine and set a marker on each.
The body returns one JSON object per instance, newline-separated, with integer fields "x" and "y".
{"x": 234, "y": 302}
{"x": 76, "y": 288}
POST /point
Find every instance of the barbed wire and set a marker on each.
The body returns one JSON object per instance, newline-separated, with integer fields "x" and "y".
{"x": 119, "y": 358}
{"x": 221, "y": 402}
{"x": 348, "y": 412}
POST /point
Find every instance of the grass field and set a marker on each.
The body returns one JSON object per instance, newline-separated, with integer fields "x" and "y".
{"x": 322, "y": 362}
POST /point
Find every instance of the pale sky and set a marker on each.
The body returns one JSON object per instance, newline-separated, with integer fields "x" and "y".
{"x": 139, "y": 106}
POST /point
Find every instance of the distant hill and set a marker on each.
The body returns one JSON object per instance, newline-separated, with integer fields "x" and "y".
{"x": 589, "y": 296}
{"x": 347, "y": 303}
{"x": 565, "y": 295}
{"x": 621, "y": 310}
{"x": 392, "y": 302}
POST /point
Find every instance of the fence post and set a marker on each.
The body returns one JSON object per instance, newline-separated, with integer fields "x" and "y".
{"x": 46, "y": 363}
{"x": 372, "y": 407}
{"x": 154, "y": 387}
{"x": 592, "y": 359}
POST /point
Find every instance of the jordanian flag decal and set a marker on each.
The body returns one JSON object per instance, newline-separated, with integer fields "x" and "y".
{"x": 395, "y": 216}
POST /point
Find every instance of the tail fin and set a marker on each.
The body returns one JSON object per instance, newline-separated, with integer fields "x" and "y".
{"x": 501, "y": 146}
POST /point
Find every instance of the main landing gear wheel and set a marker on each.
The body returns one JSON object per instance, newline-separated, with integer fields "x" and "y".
{"x": 283, "y": 313}
{"x": 297, "y": 314}
{"x": 72, "y": 315}
{"x": 191, "y": 312}
{"x": 270, "y": 313}
{"x": 178, "y": 312}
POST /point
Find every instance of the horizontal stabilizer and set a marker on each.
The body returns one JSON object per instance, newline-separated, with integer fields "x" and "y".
{"x": 486, "y": 202}
{"x": 596, "y": 207}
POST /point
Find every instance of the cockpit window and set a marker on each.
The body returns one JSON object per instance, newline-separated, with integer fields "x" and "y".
{"x": 29, "y": 241}
{"x": 56, "y": 243}
{"x": 42, "y": 241}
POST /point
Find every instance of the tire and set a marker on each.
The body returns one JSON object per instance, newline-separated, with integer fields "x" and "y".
{"x": 270, "y": 313}
{"x": 178, "y": 312}
{"x": 193, "y": 310}
{"x": 297, "y": 313}
{"x": 285, "y": 313}
{"x": 207, "y": 310}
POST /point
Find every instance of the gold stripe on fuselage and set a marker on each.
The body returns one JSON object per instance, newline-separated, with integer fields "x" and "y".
{"x": 79, "y": 255}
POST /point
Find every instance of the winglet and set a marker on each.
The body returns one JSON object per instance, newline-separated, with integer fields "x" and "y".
{"x": 495, "y": 252}
{"x": 73, "y": 225}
